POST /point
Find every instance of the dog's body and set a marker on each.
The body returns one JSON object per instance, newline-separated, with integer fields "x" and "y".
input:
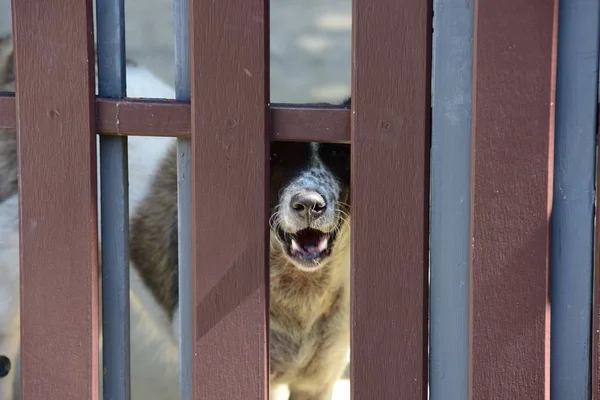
{"x": 154, "y": 358}
{"x": 309, "y": 261}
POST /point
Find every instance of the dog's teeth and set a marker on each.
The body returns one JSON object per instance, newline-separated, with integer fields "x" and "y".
{"x": 323, "y": 244}
{"x": 295, "y": 246}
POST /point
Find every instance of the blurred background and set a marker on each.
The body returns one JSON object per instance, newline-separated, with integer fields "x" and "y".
{"x": 310, "y": 45}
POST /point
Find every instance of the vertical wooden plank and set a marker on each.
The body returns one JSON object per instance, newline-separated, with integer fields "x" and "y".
{"x": 229, "y": 59}
{"x": 450, "y": 198}
{"x": 573, "y": 203}
{"x": 57, "y": 183}
{"x": 390, "y": 198}
{"x": 114, "y": 198}
{"x": 513, "y": 128}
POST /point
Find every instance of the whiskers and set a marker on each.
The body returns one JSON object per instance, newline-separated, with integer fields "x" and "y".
{"x": 343, "y": 215}
{"x": 274, "y": 224}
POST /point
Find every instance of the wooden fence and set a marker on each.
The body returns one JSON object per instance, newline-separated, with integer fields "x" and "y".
{"x": 502, "y": 141}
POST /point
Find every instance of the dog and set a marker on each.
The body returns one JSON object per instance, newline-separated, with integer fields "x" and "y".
{"x": 309, "y": 261}
{"x": 309, "y": 257}
{"x": 154, "y": 353}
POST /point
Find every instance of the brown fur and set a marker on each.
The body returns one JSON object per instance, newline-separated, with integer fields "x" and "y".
{"x": 8, "y": 139}
{"x": 7, "y": 74}
{"x": 153, "y": 232}
{"x": 309, "y": 311}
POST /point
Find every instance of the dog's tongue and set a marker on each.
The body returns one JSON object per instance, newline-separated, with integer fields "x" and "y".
{"x": 309, "y": 243}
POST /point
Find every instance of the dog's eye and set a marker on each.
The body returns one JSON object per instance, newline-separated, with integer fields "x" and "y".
{"x": 274, "y": 157}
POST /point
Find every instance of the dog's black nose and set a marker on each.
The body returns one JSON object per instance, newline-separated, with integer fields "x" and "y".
{"x": 308, "y": 202}
{"x": 4, "y": 366}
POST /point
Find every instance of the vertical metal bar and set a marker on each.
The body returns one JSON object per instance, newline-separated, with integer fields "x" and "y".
{"x": 184, "y": 207}
{"x": 596, "y": 292}
{"x": 58, "y": 204}
{"x": 573, "y": 204}
{"x": 513, "y": 128}
{"x": 230, "y": 168}
{"x": 450, "y": 199}
{"x": 391, "y": 93}
{"x": 114, "y": 206}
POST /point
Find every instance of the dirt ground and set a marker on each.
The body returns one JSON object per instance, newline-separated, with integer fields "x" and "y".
{"x": 310, "y": 51}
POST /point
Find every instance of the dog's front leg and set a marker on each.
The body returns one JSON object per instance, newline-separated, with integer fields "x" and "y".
{"x": 9, "y": 295}
{"x": 326, "y": 393}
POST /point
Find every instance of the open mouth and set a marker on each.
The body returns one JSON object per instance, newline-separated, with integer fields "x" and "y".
{"x": 308, "y": 244}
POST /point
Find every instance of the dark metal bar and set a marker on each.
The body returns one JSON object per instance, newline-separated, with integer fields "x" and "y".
{"x": 58, "y": 205}
{"x": 114, "y": 206}
{"x": 390, "y": 198}
{"x": 184, "y": 206}
{"x": 230, "y": 146}
{"x": 513, "y": 127}
{"x": 595, "y": 382}
{"x": 573, "y": 205}
{"x": 450, "y": 199}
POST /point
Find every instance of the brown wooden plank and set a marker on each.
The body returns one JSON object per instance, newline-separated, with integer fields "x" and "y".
{"x": 133, "y": 117}
{"x": 57, "y": 182}
{"x": 229, "y": 60}
{"x": 513, "y": 127}
{"x": 170, "y": 118}
{"x": 143, "y": 117}
{"x": 390, "y": 198}
{"x": 310, "y": 123}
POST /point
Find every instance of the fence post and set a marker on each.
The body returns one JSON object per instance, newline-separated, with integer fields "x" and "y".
{"x": 513, "y": 128}
{"x": 450, "y": 198}
{"x": 185, "y": 276}
{"x": 230, "y": 143}
{"x": 58, "y": 208}
{"x": 391, "y": 89}
{"x": 114, "y": 208}
{"x": 573, "y": 202}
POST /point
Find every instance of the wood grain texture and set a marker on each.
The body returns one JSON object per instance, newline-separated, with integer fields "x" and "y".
{"x": 57, "y": 180}
{"x": 390, "y": 198}
{"x": 513, "y": 128}
{"x": 135, "y": 117}
{"x": 229, "y": 60}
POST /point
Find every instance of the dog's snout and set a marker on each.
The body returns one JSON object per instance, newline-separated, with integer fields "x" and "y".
{"x": 308, "y": 202}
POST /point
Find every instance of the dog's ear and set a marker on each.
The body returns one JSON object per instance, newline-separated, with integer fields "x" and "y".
{"x": 7, "y": 55}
